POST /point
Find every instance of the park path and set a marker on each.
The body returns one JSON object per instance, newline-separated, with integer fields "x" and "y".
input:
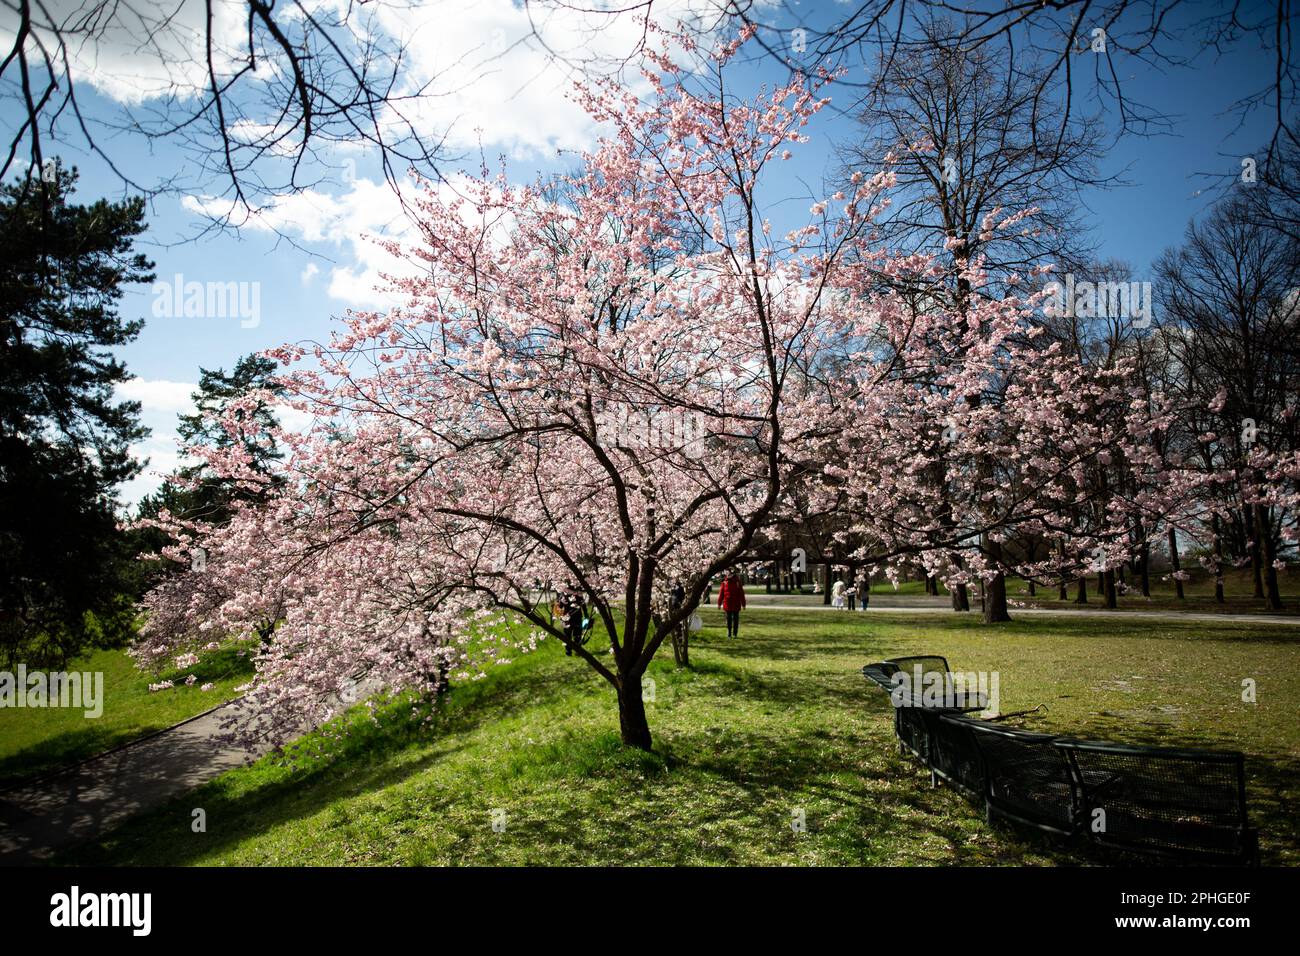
{"x": 914, "y": 605}
{"x": 88, "y": 799}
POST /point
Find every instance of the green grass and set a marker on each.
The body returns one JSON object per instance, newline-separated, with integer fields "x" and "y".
{"x": 36, "y": 741}
{"x": 778, "y": 721}
{"x": 1198, "y": 594}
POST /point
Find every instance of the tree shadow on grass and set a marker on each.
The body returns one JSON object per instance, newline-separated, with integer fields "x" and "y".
{"x": 876, "y": 806}
{"x": 1270, "y": 792}
{"x": 322, "y": 768}
{"x": 63, "y": 750}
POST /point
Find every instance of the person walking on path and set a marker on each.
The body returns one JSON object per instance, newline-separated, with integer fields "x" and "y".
{"x": 863, "y": 588}
{"x": 837, "y": 594}
{"x": 731, "y": 598}
{"x": 851, "y": 592}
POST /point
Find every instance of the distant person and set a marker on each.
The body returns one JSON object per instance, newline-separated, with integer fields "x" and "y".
{"x": 731, "y": 598}
{"x": 678, "y": 635}
{"x": 851, "y": 595}
{"x": 837, "y": 594}
{"x": 864, "y": 592}
{"x": 572, "y": 615}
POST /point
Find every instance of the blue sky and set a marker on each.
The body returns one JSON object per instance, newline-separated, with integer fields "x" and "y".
{"x": 518, "y": 108}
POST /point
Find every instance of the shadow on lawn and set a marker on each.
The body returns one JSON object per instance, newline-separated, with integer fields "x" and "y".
{"x": 349, "y": 766}
{"x": 64, "y": 750}
{"x": 1270, "y": 778}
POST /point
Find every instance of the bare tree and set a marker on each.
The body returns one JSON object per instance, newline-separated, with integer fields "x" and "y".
{"x": 1079, "y": 49}
{"x": 1080, "y": 46}
{"x": 962, "y": 124}
{"x": 1231, "y": 292}
{"x": 257, "y": 95}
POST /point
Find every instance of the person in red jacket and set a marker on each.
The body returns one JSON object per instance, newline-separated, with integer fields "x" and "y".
{"x": 731, "y": 598}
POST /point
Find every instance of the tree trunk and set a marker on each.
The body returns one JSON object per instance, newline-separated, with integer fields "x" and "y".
{"x": 1144, "y": 568}
{"x": 1175, "y": 564}
{"x": 1082, "y": 597}
{"x": 632, "y": 723}
{"x": 995, "y": 592}
{"x": 995, "y": 600}
{"x": 1063, "y": 588}
{"x": 1264, "y": 534}
{"x": 1111, "y": 592}
{"x": 1256, "y": 566}
{"x": 960, "y": 597}
{"x": 1218, "y": 560}
{"x": 826, "y": 583}
{"x": 682, "y": 645}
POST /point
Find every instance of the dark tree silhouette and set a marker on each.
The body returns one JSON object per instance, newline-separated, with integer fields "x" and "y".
{"x": 65, "y": 576}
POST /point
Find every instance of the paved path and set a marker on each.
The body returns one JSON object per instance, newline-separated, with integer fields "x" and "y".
{"x": 875, "y": 608}
{"x": 90, "y": 798}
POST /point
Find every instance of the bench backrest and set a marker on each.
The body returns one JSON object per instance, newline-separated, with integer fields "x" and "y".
{"x": 1162, "y": 800}
{"x": 1026, "y": 777}
{"x": 952, "y": 751}
{"x": 927, "y": 663}
{"x": 881, "y": 674}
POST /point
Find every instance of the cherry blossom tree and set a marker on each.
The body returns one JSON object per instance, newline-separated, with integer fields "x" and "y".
{"x": 966, "y": 425}
{"x": 583, "y": 392}
{"x": 606, "y": 382}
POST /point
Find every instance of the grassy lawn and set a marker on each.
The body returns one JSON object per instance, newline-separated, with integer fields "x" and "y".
{"x": 763, "y": 727}
{"x": 36, "y": 741}
{"x": 1198, "y": 594}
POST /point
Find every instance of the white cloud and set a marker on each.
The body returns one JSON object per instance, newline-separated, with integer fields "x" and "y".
{"x": 502, "y": 72}
{"x": 159, "y": 395}
{"x": 494, "y": 72}
{"x": 137, "y": 53}
{"x": 163, "y": 459}
{"x": 348, "y": 223}
{"x": 293, "y": 420}
{"x": 498, "y": 74}
{"x": 160, "y": 402}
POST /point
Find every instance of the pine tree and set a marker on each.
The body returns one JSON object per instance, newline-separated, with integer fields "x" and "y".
{"x": 65, "y": 571}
